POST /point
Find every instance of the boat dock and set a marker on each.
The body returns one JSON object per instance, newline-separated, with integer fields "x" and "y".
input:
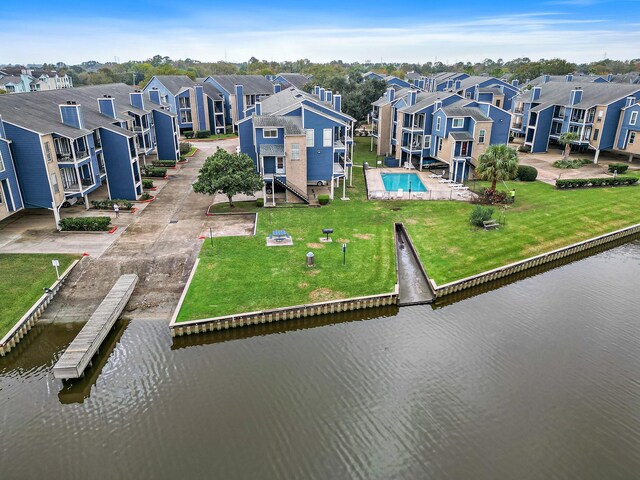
{"x": 78, "y": 355}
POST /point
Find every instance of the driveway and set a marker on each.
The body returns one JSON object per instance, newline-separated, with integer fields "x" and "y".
{"x": 160, "y": 245}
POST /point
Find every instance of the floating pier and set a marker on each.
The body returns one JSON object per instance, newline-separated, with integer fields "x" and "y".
{"x": 78, "y": 355}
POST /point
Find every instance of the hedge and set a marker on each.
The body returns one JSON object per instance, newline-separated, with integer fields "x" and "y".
{"x": 596, "y": 182}
{"x": 108, "y": 204}
{"x": 203, "y": 134}
{"x": 618, "y": 167}
{"x": 527, "y": 173}
{"x": 164, "y": 163}
{"x": 188, "y": 134}
{"x": 85, "y": 224}
{"x": 260, "y": 202}
{"x": 323, "y": 199}
{"x": 146, "y": 196}
{"x": 154, "y": 171}
{"x": 147, "y": 183}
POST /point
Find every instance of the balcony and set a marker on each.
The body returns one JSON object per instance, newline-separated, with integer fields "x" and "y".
{"x": 518, "y": 110}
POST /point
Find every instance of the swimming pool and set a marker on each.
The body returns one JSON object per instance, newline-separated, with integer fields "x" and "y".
{"x": 405, "y": 181}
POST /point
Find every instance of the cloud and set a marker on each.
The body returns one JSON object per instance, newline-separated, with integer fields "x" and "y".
{"x": 537, "y": 35}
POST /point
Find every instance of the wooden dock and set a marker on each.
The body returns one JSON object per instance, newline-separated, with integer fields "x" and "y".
{"x": 78, "y": 355}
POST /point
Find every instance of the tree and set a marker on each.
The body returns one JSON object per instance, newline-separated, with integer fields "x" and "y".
{"x": 229, "y": 173}
{"x": 566, "y": 139}
{"x": 497, "y": 164}
{"x": 2, "y": 91}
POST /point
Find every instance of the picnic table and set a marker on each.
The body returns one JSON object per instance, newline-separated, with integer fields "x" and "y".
{"x": 279, "y": 235}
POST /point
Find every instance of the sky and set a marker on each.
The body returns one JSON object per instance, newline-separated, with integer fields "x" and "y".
{"x": 398, "y": 31}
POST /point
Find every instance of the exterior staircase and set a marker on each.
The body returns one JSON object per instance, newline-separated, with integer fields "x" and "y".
{"x": 293, "y": 189}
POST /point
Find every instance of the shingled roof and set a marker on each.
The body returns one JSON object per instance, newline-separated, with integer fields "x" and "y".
{"x": 251, "y": 84}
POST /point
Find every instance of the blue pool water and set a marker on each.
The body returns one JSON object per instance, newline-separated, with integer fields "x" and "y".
{"x": 394, "y": 181}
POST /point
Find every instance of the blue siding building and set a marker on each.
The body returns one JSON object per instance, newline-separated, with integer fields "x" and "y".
{"x": 10, "y": 195}
{"x": 298, "y": 139}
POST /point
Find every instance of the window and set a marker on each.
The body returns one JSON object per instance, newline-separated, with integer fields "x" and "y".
{"x": 185, "y": 102}
{"x": 439, "y": 144}
{"x": 295, "y": 151}
{"x": 481, "y": 135}
{"x": 279, "y": 164}
{"x": 632, "y": 137}
{"x": 270, "y": 133}
{"x": 634, "y": 118}
{"x": 458, "y": 122}
{"x": 600, "y": 115}
{"x": 54, "y": 183}
{"x": 47, "y": 152}
{"x": 426, "y": 142}
{"x": 596, "y": 132}
{"x": 311, "y": 138}
{"x": 467, "y": 95}
{"x": 185, "y": 116}
{"x": 498, "y": 103}
{"x": 438, "y": 122}
{"x": 327, "y": 137}
{"x": 1, "y": 163}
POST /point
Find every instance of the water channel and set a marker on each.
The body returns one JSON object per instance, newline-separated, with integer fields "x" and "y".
{"x": 538, "y": 379}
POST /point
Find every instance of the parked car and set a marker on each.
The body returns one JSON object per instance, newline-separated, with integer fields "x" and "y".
{"x": 319, "y": 183}
{"x": 72, "y": 201}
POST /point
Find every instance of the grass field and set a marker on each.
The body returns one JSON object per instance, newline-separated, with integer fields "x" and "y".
{"x": 22, "y": 280}
{"x": 242, "y": 274}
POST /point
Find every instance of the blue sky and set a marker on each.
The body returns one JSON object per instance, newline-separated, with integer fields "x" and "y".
{"x": 73, "y": 31}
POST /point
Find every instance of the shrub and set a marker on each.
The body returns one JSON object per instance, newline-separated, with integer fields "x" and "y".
{"x": 203, "y": 134}
{"x": 154, "y": 171}
{"x": 260, "y": 202}
{"x": 527, "y": 173}
{"x": 323, "y": 199}
{"x": 487, "y": 197}
{"x": 146, "y": 196}
{"x": 480, "y": 214}
{"x": 566, "y": 164}
{"x": 164, "y": 163}
{"x": 108, "y": 204}
{"x": 85, "y": 224}
{"x": 596, "y": 182}
{"x": 524, "y": 148}
{"x": 147, "y": 183}
{"x": 185, "y": 147}
{"x": 618, "y": 167}
{"x": 188, "y": 134}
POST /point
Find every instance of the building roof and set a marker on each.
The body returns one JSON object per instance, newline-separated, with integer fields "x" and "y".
{"x": 292, "y": 125}
{"x": 39, "y": 111}
{"x": 294, "y": 79}
{"x": 458, "y": 111}
{"x": 410, "y": 76}
{"x": 271, "y": 150}
{"x": 10, "y": 79}
{"x": 557, "y": 93}
{"x": 461, "y": 136}
{"x": 400, "y": 92}
{"x": 251, "y": 84}
{"x": 212, "y": 92}
{"x": 582, "y": 78}
{"x": 175, "y": 83}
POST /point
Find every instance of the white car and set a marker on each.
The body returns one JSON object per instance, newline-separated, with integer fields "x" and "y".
{"x": 317, "y": 183}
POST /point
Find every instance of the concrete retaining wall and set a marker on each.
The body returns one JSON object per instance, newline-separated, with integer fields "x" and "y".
{"x": 29, "y": 319}
{"x": 533, "y": 262}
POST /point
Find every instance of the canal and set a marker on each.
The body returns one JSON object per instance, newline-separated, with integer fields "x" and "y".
{"x": 538, "y": 379}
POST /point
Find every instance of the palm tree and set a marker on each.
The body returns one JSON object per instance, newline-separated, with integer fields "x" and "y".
{"x": 566, "y": 139}
{"x": 497, "y": 163}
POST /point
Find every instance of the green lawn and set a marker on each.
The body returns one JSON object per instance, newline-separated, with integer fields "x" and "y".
{"x": 241, "y": 274}
{"x": 22, "y": 280}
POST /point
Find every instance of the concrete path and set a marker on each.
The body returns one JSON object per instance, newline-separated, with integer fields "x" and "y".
{"x": 160, "y": 246}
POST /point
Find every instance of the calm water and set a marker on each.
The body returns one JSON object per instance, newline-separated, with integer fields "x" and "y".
{"x": 537, "y": 380}
{"x": 405, "y": 181}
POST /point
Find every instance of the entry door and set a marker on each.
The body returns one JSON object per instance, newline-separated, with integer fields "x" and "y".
{"x": 279, "y": 164}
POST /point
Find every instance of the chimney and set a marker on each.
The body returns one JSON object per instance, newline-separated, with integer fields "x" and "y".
{"x": 2, "y": 132}
{"x": 449, "y": 84}
{"x": 535, "y": 93}
{"x": 391, "y": 94}
{"x": 630, "y": 101}
{"x": 610, "y": 77}
{"x": 136, "y": 99}
{"x": 515, "y": 83}
{"x": 337, "y": 102}
{"x": 569, "y": 77}
{"x": 458, "y": 84}
{"x": 276, "y": 88}
{"x": 329, "y": 96}
{"x": 322, "y": 96}
{"x": 107, "y": 106}
{"x": 71, "y": 115}
{"x": 411, "y": 98}
{"x": 545, "y": 78}
{"x": 526, "y": 82}
{"x": 575, "y": 96}
{"x": 154, "y": 96}
{"x": 316, "y": 90}
{"x": 258, "y": 110}
{"x": 239, "y": 92}
{"x": 476, "y": 92}
{"x": 437, "y": 105}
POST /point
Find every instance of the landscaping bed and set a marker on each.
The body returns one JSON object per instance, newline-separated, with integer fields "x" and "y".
{"x": 22, "y": 280}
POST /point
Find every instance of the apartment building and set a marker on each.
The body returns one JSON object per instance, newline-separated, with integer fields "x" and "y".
{"x": 20, "y": 80}
{"x": 10, "y": 197}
